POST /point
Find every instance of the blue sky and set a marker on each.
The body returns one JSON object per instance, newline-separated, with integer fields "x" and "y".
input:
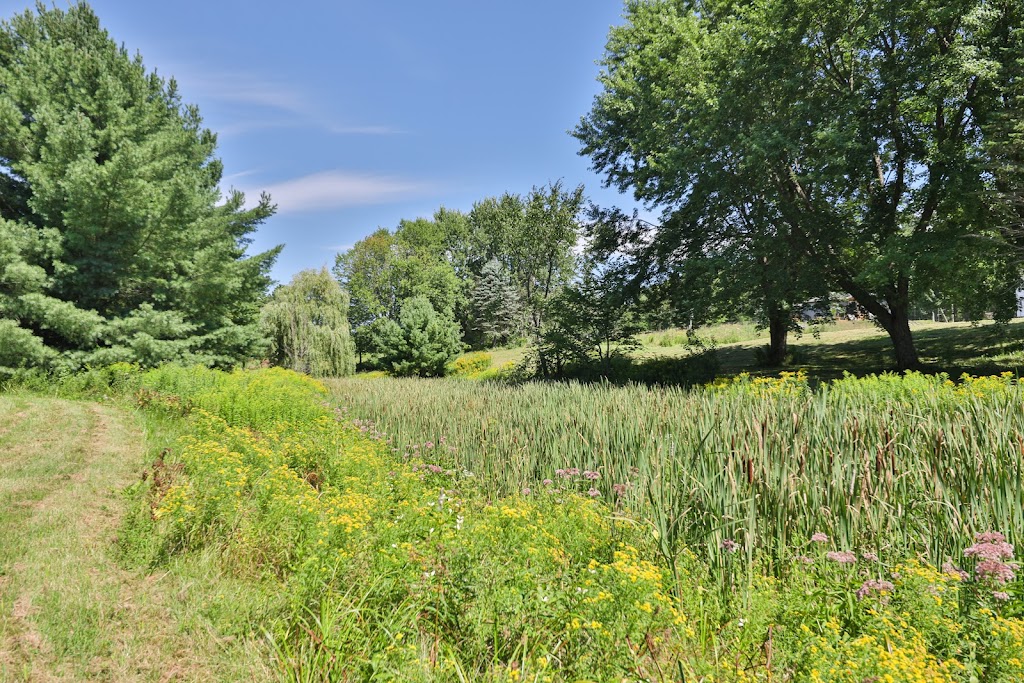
{"x": 354, "y": 115}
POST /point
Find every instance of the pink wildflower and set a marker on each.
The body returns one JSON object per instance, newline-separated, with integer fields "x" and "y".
{"x": 526, "y": 491}
{"x": 1000, "y": 572}
{"x": 1001, "y": 596}
{"x": 872, "y": 586}
{"x": 592, "y": 476}
{"x": 989, "y": 537}
{"x": 593, "y": 493}
{"x": 870, "y": 557}
{"x": 548, "y": 482}
{"x": 730, "y": 546}
{"x": 953, "y": 570}
{"x": 619, "y": 490}
{"x": 819, "y": 537}
{"x": 436, "y": 469}
{"x": 990, "y": 550}
{"x": 573, "y": 472}
{"x": 842, "y": 556}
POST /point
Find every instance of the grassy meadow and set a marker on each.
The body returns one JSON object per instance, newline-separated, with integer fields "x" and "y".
{"x": 857, "y": 347}
{"x": 190, "y": 524}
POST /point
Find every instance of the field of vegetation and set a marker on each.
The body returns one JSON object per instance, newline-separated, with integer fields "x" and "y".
{"x": 754, "y": 529}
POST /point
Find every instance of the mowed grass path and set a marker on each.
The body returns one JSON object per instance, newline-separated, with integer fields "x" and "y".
{"x": 68, "y": 610}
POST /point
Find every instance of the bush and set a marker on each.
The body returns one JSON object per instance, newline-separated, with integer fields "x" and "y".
{"x": 472, "y": 364}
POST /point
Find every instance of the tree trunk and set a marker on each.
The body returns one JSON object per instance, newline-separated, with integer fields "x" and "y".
{"x": 902, "y": 341}
{"x": 778, "y": 329}
{"x": 893, "y": 316}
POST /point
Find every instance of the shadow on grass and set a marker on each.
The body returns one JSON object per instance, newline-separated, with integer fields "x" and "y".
{"x": 979, "y": 350}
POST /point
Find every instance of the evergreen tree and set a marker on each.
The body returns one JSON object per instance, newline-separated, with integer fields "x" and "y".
{"x": 495, "y": 305}
{"x": 115, "y": 241}
{"x": 307, "y": 324}
{"x": 422, "y": 342}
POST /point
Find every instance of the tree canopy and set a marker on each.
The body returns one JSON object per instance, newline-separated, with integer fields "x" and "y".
{"x": 307, "y": 325}
{"x": 115, "y": 241}
{"x": 867, "y": 129}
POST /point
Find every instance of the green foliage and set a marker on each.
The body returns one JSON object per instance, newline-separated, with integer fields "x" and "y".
{"x": 307, "y": 326}
{"x": 423, "y": 342}
{"x": 589, "y": 321}
{"x": 533, "y": 238}
{"x": 351, "y": 544}
{"x": 765, "y": 459}
{"x": 385, "y": 268}
{"x": 859, "y": 129}
{"x": 495, "y": 305}
{"x": 115, "y": 243}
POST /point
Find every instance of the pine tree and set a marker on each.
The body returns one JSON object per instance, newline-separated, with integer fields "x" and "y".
{"x": 115, "y": 241}
{"x": 423, "y": 342}
{"x": 495, "y": 305}
{"x": 307, "y": 324}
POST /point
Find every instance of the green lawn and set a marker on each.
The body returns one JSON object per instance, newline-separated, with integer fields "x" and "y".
{"x": 857, "y": 347}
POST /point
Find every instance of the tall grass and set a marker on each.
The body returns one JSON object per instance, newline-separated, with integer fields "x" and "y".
{"x": 887, "y": 462}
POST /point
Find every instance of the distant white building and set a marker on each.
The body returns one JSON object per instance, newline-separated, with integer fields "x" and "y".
{"x": 1020, "y": 303}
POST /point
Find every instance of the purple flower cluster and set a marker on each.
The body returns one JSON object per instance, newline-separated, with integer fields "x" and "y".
{"x": 991, "y": 551}
{"x": 997, "y": 571}
{"x": 993, "y": 547}
{"x": 435, "y": 469}
{"x": 872, "y": 587}
{"x": 842, "y": 556}
{"x": 819, "y": 537}
{"x": 730, "y": 546}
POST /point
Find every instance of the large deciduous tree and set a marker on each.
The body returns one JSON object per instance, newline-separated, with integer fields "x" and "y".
{"x": 115, "y": 242}
{"x": 869, "y": 127}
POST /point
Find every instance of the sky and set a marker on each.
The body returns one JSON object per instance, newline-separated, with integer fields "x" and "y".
{"x": 355, "y": 115}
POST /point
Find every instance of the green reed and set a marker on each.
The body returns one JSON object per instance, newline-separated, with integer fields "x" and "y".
{"x": 886, "y": 463}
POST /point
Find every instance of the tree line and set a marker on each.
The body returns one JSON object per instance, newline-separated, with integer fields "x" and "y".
{"x": 794, "y": 149}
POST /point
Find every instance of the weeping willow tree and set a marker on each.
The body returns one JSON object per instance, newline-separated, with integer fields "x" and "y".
{"x": 307, "y": 324}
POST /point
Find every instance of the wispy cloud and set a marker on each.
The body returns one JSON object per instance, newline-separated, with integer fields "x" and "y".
{"x": 337, "y": 248}
{"x": 338, "y": 189}
{"x": 228, "y": 179}
{"x": 262, "y": 102}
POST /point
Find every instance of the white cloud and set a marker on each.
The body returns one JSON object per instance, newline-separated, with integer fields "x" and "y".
{"x": 337, "y": 189}
{"x": 338, "y": 248}
{"x": 270, "y": 99}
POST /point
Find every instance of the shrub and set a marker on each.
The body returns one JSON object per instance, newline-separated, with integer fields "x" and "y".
{"x": 472, "y": 364}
